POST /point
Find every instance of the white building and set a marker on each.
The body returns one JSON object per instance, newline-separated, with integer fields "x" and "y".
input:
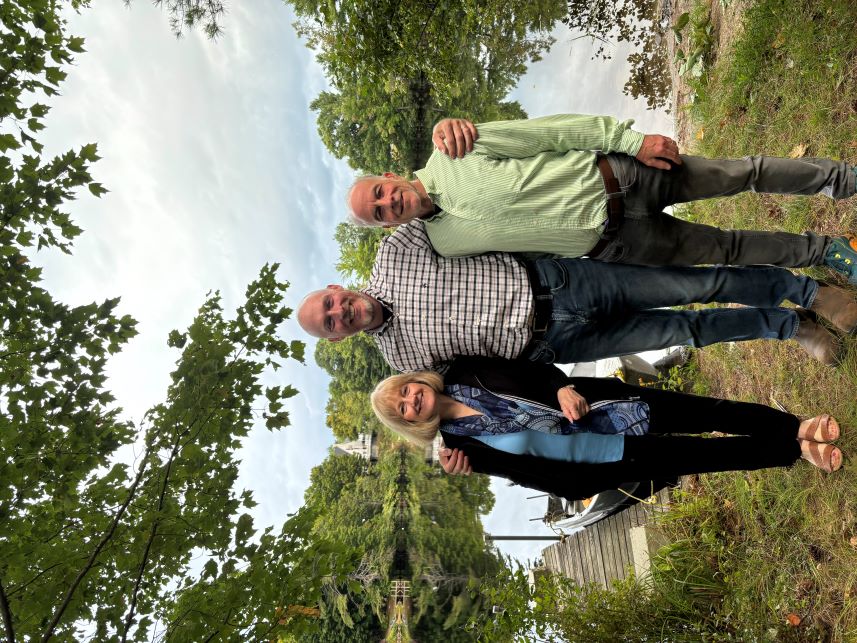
{"x": 365, "y": 446}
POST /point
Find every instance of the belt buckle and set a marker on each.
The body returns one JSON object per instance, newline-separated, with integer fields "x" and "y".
{"x": 543, "y": 327}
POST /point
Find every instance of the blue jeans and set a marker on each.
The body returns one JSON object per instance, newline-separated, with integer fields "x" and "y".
{"x": 606, "y": 309}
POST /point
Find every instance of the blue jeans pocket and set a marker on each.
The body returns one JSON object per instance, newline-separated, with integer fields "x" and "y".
{"x": 555, "y": 275}
{"x": 540, "y": 351}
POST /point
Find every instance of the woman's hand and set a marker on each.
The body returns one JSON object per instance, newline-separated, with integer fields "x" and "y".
{"x": 454, "y": 462}
{"x": 574, "y": 406}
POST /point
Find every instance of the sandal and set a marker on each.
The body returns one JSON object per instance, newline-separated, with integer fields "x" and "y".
{"x": 821, "y": 428}
{"x": 824, "y": 456}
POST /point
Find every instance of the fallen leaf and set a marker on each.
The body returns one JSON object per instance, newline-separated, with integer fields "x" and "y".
{"x": 798, "y": 151}
{"x": 779, "y": 41}
{"x": 853, "y": 541}
{"x": 700, "y": 134}
{"x": 793, "y": 619}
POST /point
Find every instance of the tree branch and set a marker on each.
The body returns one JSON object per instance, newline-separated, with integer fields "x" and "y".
{"x": 152, "y": 533}
{"x": 49, "y": 631}
{"x": 7, "y": 616}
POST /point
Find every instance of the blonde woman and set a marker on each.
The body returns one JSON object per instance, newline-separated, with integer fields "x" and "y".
{"x": 575, "y": 437}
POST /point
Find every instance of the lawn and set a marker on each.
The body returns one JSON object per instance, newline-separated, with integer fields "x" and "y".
{"x": 773, "y": 555}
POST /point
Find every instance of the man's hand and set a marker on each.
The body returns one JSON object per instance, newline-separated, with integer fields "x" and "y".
{"x": 574, "y": 406}
{"x": 454, "y": 136}
{"x": 657, "y": 150}
{"x": 454, "y": 462}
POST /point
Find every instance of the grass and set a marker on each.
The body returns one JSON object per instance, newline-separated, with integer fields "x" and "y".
{"x": 751, "y": 549}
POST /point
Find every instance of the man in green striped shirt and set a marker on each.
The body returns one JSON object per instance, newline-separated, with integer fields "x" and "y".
{"x": 535, "y": 186}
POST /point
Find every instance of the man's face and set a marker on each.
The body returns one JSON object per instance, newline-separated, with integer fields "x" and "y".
{"x": 334, "y": 313}
{"x": 387, "y": 201}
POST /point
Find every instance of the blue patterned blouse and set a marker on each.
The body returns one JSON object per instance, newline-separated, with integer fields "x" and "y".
{"x": 596, "y": 437}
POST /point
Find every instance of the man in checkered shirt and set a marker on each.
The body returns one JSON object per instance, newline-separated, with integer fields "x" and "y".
{"x": 423, "y": 309}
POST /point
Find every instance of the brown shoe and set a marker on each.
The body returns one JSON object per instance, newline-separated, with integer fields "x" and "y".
{"x": 824, "y": 456}
{"x": 821, "y": 428}
{"x": 836, "y": 305}
{"x": 816, "y": 340}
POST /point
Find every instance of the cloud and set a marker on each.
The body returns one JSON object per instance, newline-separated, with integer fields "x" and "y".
{"x": 215, "y": 167}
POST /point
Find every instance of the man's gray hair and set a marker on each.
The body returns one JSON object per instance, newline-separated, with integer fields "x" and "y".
{"x": 352, "y": 216}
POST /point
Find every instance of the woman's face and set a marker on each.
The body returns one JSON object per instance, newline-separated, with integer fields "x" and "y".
{"x": 415, "y": 402}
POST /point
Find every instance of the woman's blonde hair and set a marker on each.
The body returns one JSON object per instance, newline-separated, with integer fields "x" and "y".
{"x": 383, "y": 400}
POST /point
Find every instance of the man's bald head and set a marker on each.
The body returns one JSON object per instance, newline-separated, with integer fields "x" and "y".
{"x": 334, "y": 313}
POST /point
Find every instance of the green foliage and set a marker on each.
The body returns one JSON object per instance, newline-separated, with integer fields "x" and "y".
{"x": 634, "y": 22}
{"x": 78, "y": 532}
{"x": 358, "y": 246}
{"x": 87, "y": 544}
{"x": 355, "y": 365}
{"x": 650, "y": 73}
{"x": 188, "y": 14}
{"x": 365, "y": 627}
{"x": 696, "y": 56}
{"x": 333, "y": 477}
{"x": 397, "y": 67}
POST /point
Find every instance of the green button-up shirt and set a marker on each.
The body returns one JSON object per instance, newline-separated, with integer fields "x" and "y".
{"x": 527, "y": 186}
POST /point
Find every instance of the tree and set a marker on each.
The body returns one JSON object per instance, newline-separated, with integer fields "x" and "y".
{"x": 398, "y": 67}
{"x": 358, "y": 246}
{"x": 333, "y": 476}
{"x": 87, "y": 543}
{"x": 355, "y": 365}
{"x": 188, "y": 14}
{"x": 634, "y": 22}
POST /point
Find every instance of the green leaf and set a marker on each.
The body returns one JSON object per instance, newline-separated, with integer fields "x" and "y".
{"x": 75, "y": 44}
{"x": 243, "y": 529}
{"x": 297, "y": 348}
{"x": 8, "y": 142}
{"x": 682, "y": 21}
{"x": 97, "y": 189}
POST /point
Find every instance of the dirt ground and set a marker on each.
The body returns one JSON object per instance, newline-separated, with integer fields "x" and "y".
{"x": 727, "y": 27}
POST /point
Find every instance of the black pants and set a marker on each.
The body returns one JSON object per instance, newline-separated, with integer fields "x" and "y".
{"x": 762, "y": 436}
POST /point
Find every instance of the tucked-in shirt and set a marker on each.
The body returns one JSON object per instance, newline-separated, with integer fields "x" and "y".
{"x": 444, "y": 307}
{"x": 527, "y": 186}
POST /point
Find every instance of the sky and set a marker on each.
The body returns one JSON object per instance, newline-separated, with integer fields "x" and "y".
{"x": 214, "y": 166}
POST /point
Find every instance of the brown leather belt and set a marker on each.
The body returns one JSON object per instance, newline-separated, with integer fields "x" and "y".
{"x": 615, "y": 206}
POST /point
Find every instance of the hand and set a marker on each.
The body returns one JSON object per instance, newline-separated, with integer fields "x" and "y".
{"x": 454, "y": 136}
{"x": 574, "y": 406}
{"x": 454, "y": 462}
{"x": 657, "y": 150}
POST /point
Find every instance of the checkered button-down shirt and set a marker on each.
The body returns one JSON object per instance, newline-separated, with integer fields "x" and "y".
{"x": 446, "y": 307}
